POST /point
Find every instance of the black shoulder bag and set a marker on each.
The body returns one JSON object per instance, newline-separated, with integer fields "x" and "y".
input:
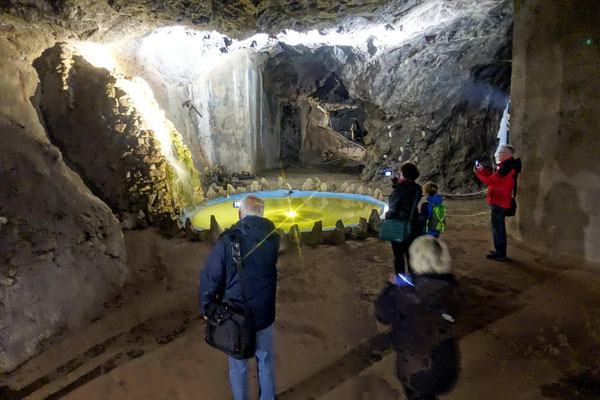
{"x": 228, "y": 329}
{"x": 510, "y": 212}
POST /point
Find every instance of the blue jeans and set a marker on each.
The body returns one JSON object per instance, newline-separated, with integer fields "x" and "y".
{"x": 498, "y": 229}
{"x": 238, "y": 369}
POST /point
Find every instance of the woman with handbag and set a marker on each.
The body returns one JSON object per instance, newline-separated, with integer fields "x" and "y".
{"x": 402, "y": 217}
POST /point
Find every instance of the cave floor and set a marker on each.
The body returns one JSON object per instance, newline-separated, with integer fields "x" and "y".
{"x": 529, "y": 328}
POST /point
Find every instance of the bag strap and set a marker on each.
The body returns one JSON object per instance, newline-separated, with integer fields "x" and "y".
{"x": 237, "y": 262}
{"x": 414, "y": 206}
{"x": 515, "y": 188}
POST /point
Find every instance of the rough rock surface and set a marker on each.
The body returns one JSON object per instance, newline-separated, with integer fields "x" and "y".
{"x": 101, "y": 135}
{"x": 439, "y": 97}
{"x": 61, "y": 250}
{"x": 435, "y": 98}
{"x": 109, "y": 20}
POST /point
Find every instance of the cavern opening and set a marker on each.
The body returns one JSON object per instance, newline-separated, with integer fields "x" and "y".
{"x": 132, "y": 133}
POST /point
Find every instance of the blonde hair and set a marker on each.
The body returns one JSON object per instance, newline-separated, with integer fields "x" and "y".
{"x": 430, "y": 188}
{"x": 252, "y": 205}
{"x": 429, "y": 255}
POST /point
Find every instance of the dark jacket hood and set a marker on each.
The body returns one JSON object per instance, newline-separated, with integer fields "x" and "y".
{"x": 512, "y": 163}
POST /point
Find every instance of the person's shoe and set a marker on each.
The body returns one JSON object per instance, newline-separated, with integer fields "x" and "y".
{"x": 495, "y": 256}
{"x": 491, "y": 251}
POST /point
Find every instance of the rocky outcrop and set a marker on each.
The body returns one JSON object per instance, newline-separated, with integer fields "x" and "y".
{"x": 103, "y": 137}
{"x": 321, "y": 141}
{"x": 61, "y": 249}
{"x": 435, "y": 97}
{"x": 438, "y": 98}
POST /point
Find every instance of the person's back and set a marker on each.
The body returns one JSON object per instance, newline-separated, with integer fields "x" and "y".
{"x": 404, "y": 193}
{"x": 422, "y": 313}
{"x": 404, "y": 198}
{"x": 432, "y": 214}
{"x": 259, "y": 268}
{"x": 219, "y": 282}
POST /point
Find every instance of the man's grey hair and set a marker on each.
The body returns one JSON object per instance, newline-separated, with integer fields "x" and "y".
{"x": 510, "y": 149}
{"x": 429, "y": 255}
{"x": 252, "y": 205}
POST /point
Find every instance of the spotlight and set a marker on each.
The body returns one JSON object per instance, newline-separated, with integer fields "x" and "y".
{"x": 290, "y": 214}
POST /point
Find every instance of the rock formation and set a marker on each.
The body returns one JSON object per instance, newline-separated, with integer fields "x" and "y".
{"x": 435, "y": 98}
{"x": 102, "y": 137}
{"x": 61, "y": 249}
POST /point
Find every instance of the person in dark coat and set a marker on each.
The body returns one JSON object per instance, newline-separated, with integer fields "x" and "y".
{"x": 219, "y": 281}
{"x": 422, "y": 312}
{"x": 406, "y": 193}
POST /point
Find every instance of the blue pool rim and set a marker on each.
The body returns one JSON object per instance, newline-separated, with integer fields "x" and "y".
{"x": 191, "y": 211}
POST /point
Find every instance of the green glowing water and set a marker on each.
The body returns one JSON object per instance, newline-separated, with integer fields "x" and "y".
{"x": 286, "y": 211}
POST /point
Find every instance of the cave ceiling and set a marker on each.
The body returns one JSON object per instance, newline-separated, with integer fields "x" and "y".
{"x": 111, "y": 19}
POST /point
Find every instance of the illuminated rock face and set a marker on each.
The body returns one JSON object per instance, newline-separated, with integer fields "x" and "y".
{"x": 101, "y": 136}
{"x": 215, "y": 99}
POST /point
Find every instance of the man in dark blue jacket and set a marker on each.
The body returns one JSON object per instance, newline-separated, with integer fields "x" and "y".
{"x": 219, "y": 281}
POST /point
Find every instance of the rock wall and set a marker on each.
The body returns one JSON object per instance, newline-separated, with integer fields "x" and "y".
{"x": 61, "y": 249}
{"x": 102, "y": 136}
{"x": 435, "y": 98}
{"x": 438, "y": 98}
{"x": 555, "y": 124}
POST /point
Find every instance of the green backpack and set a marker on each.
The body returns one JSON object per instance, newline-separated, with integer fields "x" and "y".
{"x": 436, "y": 223}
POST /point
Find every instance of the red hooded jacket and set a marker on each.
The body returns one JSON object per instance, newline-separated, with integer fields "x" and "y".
{"x": 501, "y": 183}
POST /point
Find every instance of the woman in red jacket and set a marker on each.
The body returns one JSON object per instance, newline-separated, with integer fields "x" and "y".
{"x": 500, "y": 188}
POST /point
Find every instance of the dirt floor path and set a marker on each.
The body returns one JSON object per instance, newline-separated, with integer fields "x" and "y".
{"x": 529, "y": 328}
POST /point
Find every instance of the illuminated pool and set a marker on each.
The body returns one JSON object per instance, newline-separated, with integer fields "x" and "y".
{"x": 286, "y": 209}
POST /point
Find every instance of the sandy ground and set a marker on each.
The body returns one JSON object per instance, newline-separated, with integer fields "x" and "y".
{"x": 529, "y": 328}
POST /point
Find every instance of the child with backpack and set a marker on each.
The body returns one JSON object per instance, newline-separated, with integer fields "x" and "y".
{"x": 433, "y": 213}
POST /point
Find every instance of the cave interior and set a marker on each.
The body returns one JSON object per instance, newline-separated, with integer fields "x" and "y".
{"x": 117, "y": 116}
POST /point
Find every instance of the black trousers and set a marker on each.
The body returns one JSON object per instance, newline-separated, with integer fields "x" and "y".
{"x": 400, "y": 250}
{"x": 498, "y": 229}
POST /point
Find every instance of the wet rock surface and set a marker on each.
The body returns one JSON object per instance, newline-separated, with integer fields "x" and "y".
{"x": 101, "y": 135}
